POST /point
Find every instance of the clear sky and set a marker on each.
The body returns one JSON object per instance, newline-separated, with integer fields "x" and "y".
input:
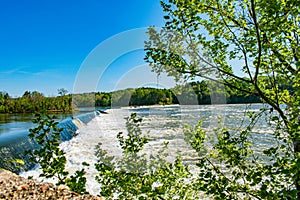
{"x": 43, "y": 44}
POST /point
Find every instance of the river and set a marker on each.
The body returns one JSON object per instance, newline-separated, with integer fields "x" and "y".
{"x": 164, "y": 124}
{"x": 14, "y": 124}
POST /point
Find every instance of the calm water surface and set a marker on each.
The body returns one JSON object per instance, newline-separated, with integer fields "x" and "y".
{"x": 13, "y": 124}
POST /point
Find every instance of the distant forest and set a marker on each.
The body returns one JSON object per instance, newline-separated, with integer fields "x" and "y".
{"x": 35, "y": 101}
{"x": 201, "y": 92}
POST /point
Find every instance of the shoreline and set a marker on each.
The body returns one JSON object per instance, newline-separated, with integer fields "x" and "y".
{"x": 13, "y": 186}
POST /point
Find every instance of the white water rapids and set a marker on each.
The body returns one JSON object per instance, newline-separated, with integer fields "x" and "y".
{"x": 164, "y": 124}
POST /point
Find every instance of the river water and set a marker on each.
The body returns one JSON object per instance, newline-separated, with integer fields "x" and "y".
{"x": 14, "y": 124}
{"x": 164, "y": 124}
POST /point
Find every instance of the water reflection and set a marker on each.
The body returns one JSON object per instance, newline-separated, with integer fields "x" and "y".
{"x": 11, "y": 124}
{"x": 14, "y": 124}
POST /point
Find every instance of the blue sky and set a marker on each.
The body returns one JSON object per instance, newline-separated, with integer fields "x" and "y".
{"x": 44, "y": 44}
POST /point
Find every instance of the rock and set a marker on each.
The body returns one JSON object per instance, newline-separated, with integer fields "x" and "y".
{"x": 15, "y": 187}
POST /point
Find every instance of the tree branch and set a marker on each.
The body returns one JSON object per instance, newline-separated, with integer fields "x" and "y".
{"x": 258, "y": 41}
{"x": 229, "y": 17}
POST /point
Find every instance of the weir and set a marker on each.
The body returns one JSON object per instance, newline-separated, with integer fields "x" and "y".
{"x": 13, "y": 147}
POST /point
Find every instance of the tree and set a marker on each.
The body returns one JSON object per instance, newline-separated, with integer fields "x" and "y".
{"x": 212, "y": 39}
{"x": 27, "y": 94}
{"x": 51, "y": 158}
{"x": 134, "y": 176}
{"x": 62, "y": 91}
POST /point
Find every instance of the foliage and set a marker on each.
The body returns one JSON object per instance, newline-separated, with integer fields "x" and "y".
{"x": 103, "y": 99}
{"x": 17, "y": 162}
{"x": 62, "y": 91}
{"x": 253, "y": 48}
{"x": 197, "y": 92}
{"x": 50, "y": 157}
{"x": 229, "y": 168}
{"x": 133, "y": 177}
{"x": 190, "y": 93}
{"x": 34, "y": 101}
{"x": 151, "y": 96}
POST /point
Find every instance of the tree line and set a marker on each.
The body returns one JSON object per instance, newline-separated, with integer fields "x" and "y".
{"x": 35, "y": 101}
{"x": 199, "y": 92}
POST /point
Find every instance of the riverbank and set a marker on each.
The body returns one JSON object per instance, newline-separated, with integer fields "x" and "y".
{"x": 15, "y": 187}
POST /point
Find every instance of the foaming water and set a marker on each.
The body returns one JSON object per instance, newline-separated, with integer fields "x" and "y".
{"x": 82, "y": 148}
{"x": 164, "y": 125}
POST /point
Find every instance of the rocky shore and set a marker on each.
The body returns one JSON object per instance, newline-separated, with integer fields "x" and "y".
{"x": 15, "y": 187}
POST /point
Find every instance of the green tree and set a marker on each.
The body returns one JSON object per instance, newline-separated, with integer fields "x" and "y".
{"x": 27, "y": 94}
{"x": 103, "y": 99}
{"x": 51, "y": 158}
{"x": 62, "y": 91}
{"x": 213, "y": 39}
{"x": 134, "y": 176}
